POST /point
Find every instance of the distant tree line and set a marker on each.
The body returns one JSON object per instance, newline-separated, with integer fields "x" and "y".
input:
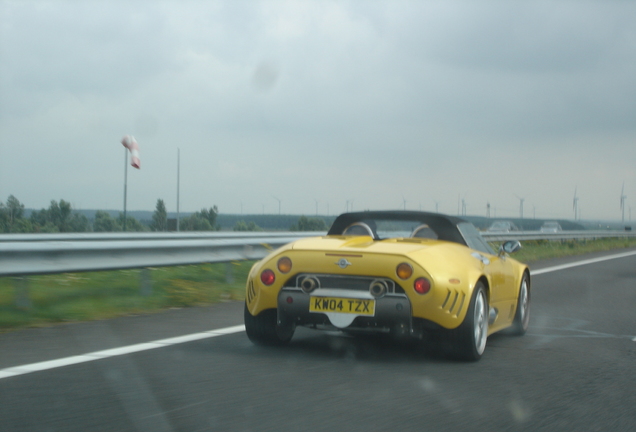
{"x": 204, "y": 220}
{"x": 271, "y": 222}
{"x": 309, "y": 224}
{"x": 60, "y": 217}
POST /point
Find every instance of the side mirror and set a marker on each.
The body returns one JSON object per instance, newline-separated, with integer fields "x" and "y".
{"x": 510, "y": 246}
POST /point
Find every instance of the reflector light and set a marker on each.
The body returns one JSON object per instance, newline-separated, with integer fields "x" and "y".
{"x": 404, "y": 271}
{"x": 290, "y": 300}
{"x": 284, "y": 265}
{"x": 268, "y": 277}
{"x": 422, "y": 285}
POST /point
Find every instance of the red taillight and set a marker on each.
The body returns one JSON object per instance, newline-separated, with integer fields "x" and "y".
{"x": 268, "y": 277}
{"x": 422, "y": 285}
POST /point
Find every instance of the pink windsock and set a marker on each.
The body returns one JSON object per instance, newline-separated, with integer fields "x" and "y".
{"x": 129, "y": 142}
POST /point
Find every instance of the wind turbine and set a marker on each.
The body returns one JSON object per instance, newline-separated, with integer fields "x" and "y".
{"x": 623, "y": 198}
{"x": 347, "y": 203}
{"x": 575, "y": 205}
{"x": 404, "y": 202}
{"x": 278, "y": 203}
{"x": 436, "y": 206}
{"x": 463, "y": 206}
{"x": 521, "y": 200}
{"x": 488, "y": 209}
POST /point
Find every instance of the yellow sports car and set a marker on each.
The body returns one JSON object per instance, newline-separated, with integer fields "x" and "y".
{"x": 399, "y": 272}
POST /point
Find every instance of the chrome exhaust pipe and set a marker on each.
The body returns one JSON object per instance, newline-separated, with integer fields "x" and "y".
{"x": 309, "y": 284}
{"x": 378, "y": 288}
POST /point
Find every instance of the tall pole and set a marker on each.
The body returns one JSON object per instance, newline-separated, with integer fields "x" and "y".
{"x": 125, "y": 183}
{"x": 178, "y": 180}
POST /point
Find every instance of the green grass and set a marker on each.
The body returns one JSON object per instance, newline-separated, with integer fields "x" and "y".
{"x": 535, "y": 250}
{"x": 100, "y": 295}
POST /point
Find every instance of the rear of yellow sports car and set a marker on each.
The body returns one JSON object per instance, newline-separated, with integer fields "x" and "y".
{"x": 408, "y": 273}
{"x": 400, "y": 285}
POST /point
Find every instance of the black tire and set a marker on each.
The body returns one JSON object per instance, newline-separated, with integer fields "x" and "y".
{"x": 263, "y": 329}
{"x": 522, "y": 314}
{"x": 469, "y": 339}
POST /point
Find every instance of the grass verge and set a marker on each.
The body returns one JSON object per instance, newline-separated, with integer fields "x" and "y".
{"x": 99, "y": 295}
{"x": 536, "y": 250}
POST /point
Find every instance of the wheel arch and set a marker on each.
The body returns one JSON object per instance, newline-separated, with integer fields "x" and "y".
{"x": 483, "y": 279}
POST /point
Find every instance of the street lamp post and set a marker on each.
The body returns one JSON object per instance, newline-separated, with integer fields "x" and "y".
{"x": 125, "y": 183}
{"x": 178, "y": 181}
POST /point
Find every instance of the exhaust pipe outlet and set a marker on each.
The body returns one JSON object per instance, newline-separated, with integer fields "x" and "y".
{"x": 309, "y": 284}
{"x": 378, "y": 288}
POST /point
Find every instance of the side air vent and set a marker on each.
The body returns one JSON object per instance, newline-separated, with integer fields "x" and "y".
{"x": 454, "y": 302}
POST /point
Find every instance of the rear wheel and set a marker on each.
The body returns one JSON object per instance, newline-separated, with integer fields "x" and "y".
{"x": 469, "y": 339}
{"x": 522, "y": 315}
{"x": 263, "y": 328}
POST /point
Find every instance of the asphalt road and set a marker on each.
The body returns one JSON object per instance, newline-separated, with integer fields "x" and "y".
{"x": 574, "y": 370}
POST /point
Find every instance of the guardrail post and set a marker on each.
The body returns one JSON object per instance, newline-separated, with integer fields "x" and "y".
{"x": 22, "y": 299}
{"x": 229, "y": 272}
{"x": 146, "y": 282}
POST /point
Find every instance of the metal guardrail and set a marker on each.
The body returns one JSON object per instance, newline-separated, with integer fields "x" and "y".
{"x": 31, "y": 254}
{"x": 560, "y": 235}
{"x": 140, "y": 236}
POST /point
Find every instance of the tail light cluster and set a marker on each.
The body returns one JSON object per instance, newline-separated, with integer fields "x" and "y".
{"x": 421, "y": 285}
{"x": 284, "y": 265}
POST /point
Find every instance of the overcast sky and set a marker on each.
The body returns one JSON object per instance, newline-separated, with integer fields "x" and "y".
{"x": 380, "y": 104}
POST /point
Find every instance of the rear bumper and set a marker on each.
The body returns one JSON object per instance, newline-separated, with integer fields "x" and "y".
{"x": 392, "y": 313}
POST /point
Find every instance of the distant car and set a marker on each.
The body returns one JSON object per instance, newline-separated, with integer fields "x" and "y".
{"x": 550, "y": 227}
{"x": 502, "y": 227}
{"x": 399, "y": 272}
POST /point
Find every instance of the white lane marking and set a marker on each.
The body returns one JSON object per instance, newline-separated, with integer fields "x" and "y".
{"x": 581, "y": 263}
{"x": 97, "y": 355}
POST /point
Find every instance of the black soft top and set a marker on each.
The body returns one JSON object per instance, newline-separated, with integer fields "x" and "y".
{"x": 444, "y": 226}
